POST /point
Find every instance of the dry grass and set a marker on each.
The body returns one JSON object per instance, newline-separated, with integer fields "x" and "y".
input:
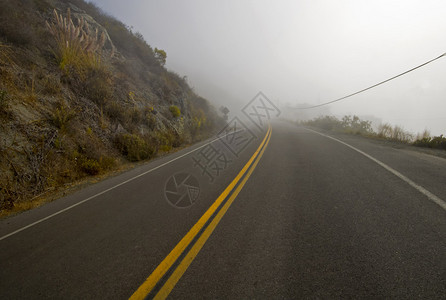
{"x": 77, "y": 46}
{"x": 395, "y": 133}
{"x": 423, "y": 135}
{"x": 6, "y": 55}
{"x": 62, "y": 116}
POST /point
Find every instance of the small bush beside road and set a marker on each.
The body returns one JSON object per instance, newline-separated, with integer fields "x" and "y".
{"x": 436, "y": 142}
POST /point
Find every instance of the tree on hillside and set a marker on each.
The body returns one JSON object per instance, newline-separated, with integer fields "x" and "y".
{"x": 161, "y": 56}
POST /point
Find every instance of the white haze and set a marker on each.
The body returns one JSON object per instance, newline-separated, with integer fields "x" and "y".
{"x": 299, "y": 52}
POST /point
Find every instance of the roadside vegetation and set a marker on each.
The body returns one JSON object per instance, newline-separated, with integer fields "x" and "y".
{"x": 354, "y": 125}
{"x": 82, "y": 95}
{"x": 436, "y": 142}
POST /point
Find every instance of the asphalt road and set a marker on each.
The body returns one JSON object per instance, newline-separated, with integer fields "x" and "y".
{"x": 314, "y": 219}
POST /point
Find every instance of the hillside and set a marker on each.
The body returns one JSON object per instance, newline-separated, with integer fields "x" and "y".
{"x": 81, "y": 95}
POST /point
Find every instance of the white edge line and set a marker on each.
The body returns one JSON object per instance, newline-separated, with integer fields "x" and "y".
{"x": 418, "y": 187}
{"x": 111, "y": 188}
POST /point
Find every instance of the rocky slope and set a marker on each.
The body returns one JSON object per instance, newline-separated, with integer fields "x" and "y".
{"x": 80, "y": 95}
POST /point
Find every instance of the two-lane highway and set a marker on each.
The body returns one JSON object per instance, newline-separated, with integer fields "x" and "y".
{"x": 319, "y": 220}
{"x": 311, "y": 218}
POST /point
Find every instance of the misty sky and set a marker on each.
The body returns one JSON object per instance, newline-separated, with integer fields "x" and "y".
{"x": 300, "y": 52}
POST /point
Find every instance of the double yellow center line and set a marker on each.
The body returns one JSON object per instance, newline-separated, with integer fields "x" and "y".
{"x": 163, "y": 279}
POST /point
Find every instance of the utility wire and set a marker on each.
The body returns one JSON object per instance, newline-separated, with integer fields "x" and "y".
{"x": 370, "y": 87}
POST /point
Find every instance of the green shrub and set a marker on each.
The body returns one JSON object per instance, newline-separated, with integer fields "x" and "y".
{"x": 165, "y": 148}
{"x": 161, "y": 56}
{"x": 325, "y": 122}
{"x": 356, "y": 126}
{"x": 107, "y": 162}
{"x": 348, "y": 124}
{"x": 423, "y": 142}
{"x": 90, "y": 166}
{"x": 439, "y": 142}
{"x": 436, "y": 142}
{"x": 166, "y": 140}
{"x": 175, "y": 111}
{"x": 133, "y": 147}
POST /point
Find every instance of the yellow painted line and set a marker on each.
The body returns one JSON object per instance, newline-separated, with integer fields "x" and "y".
{"x": 182, "y": 267}
{"x": 170, "y": 259}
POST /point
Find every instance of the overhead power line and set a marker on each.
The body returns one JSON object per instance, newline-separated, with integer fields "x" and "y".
{"x": 370, "y": 87}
